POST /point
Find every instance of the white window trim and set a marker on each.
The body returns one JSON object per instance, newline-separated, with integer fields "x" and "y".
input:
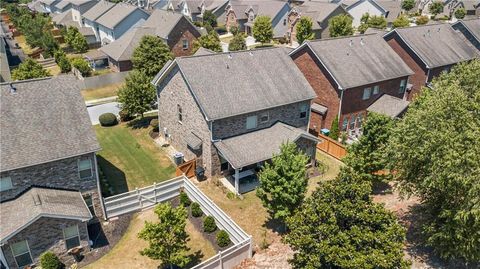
{"x": 78, "y": 235}
{"x": 11, "y": 183}
{"x": 91, "y": 168}
{"x": 29, "y": 252}
{"x": 377, "y": 88}
{"x": 185, "y": 41}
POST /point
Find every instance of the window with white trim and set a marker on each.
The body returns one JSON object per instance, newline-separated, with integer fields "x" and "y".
{"x": 376, "y": 89}
{"x": 403, "y": 86}
{"x": 85, "y": 168}
{"x": 21, "y": 253}
{"x": 264, "y": 117}
{"x": 303, "y": 111}
{"x": 185, "y": 44}
{"x": 5, "y": 183}
{"x": 252, "y": 122}
{"x": 367, "y": 92}
{"x": 359, "y": 121}
{"x": 71, "y": 236}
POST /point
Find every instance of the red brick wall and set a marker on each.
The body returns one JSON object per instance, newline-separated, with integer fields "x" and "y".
{"x": 183, "y": 30}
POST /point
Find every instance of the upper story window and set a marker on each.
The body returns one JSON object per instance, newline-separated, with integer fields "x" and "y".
{"x": 179, "y": 113}
{"x": 264, "y": 117}
{"x": 85, "y": 169}
{"x": 403, "y": 86}
{"x": 71, "y": 236}
{"x": 303, "y": 111}
{"x": 252, "y": 122}
{"x": 5, "y": 183}
{"x": 376, "y": 89}
{"x": 21, "y": 253}
{"x": 367, "y": 92}
{"x": 185, "y": 44}
{"x": 345, "y": 124}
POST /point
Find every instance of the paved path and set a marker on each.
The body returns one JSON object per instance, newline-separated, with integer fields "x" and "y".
{"x": 95, "y": 111}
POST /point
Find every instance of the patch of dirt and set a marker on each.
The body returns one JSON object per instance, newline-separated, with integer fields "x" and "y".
{"x": 275, "y": 256}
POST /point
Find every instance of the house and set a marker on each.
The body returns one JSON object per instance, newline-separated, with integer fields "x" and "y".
{"x": 89, "y": 18}
{"x": 319, "y": 12}
{"x": 242, "y": 14}
{"x": 429, "y": 50}
{"x": 470, "y": 29}
{"x": 192, "y": 9}
{"x": 49, "y": 185}
{"x": 361, "y": 7}
{"x": 348, "y": 74}
{"x": 173, "y": 28}
{"x": 81, "y": 7}
{"x": 472, "y": 7}
{"x": 62, "y": 6}
{"x": 235, "y": 114}
{"x": 49, "y": 5}
{"x": 388, "y": 105}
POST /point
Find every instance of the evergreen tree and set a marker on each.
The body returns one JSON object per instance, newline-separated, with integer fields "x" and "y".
{"x": 407, "y": 5}
{"x": 76, "y": 40}
{"x": 151, "y": 55}
{"x": 401, "y": 21}
{"x": 209, "y": 19}
{"x": 237, "y": 43}
{"x": 138, "y": 94}
{"x": 422, "y": 20}
{"x": 334, "y": 130}
{"x": 341, "y": 25}
{"x": 460, "y": 13}
{"x": 29, "y": 69}
{"x": 304, "y": 30}
{"x": 436, "y": 8}
{"x": 262, "y": 29}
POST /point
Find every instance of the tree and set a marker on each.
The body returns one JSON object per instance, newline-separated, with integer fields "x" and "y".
{"x": 435, "y": 152}
{"x": 401, "y": 21}
{"x": 138, "y": 94}
{"x": 369, "y": 154}
{"x": 304, "y": 30}
{"x": 334, "y": 130}
{"x": 262, "y": 29}
{"x": 167, "y": 239}
{"x": 436, "y": 8}
{"x": 283, "y": 183}
{"x": 407, "y": 5}
{"x": 76, "y": 40}
{"x": 210, "y": 41}
{"x": 421, "y": 20}
{"x": 62, "y": 61}
{"x": 81, "y": 65}
{"x": 29, "y": 69}
{"x": 460, "y": 13}
{"x": 377, "y": 22}
{"x": 237, "y": 43}
{"x": 209, "y": 19}
{"x": 340, "y": 227}
{"x": 151, "y": 55}
{"x": 341, "y": 25}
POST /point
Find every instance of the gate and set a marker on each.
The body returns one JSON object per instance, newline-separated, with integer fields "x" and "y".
{"x": 331, "y": 147}
{"x": 187, "y": 168}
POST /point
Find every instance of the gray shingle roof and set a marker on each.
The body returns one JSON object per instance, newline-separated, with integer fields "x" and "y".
{"x": 241, "y": 82}
{"x": 473, "y": 27}
{"x": 437, "y": 44}
{"x": 98, "y": 10}
{"x": 257, "y": 146}
{"x": 62, "y": 4}
{"x": 164, "y": 22}
{"x": 353, "y": 64}
{"x": 45, "y": 120}
{"x": 389, "y": 105}
{"x": 317, "y": 11}
{"x": 40, "y": 202}
{"x": 193, "y": 141}
{"x": 204, "y": 51}
{"x": 115, "y": 15}
{"x": 261, "y": 8}
{"x": 122, "y": 48}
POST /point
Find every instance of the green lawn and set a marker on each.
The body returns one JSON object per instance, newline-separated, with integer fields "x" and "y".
{"x": 130, "y": 158}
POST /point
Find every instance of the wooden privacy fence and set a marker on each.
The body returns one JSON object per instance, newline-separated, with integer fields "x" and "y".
{"x": 187, "y": 168}
{"x": 331, "y": 147}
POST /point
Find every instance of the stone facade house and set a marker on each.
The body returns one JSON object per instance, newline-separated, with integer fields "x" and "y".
{"x": 235, "y": 114}
{"x": 48, "y": 174}
{"x": 348, "y": 75}
{"x": 470, "y": 29}
{"x": 429, "y": 50}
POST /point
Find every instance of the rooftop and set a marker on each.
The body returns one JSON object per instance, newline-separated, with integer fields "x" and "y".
{"x": 116, "y": 14}
{"x": 473, "y": 27}
{"x": 122, "y": 48}
{"x": 164, "y": 22}
{"x": 389, "y": 105}
{"x": 317, "y": 11}
{"x": 261, "y": 8}
{"x": 98, "y": 10}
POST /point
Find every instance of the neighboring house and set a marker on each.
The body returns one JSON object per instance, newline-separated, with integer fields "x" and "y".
{"x": 472, "y": 7}
{"x": 73, "y": 17}
{"x": 173, "y": 28}
{"x": 79, "y": 7}
{"x": 361, "y": 7}
{"x": 243, "y": 13}
{"x": 319, "y": 12}
{"x": 388, "y": 105}
{"x": 470, "y": 29}
{"x": 429, "y": 50}
{"x": 192, "y": 9}
{"x": 235, "y": 114}
{"x": 349, "y": 74}
{"x": 49, "y": 185}
{"x": 49, "y": 5}
{"x": 89, "y": 18}
{"x": 62, "y": 6}
{"x": 118, "y": 20}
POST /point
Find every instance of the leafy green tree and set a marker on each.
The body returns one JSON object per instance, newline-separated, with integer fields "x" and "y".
{"x": 209, "y": 19}
{"x": 138, "y": 94}
{"x": 407, "y": 5}
{"x": 49, "y": 44}
{"x": 29, "y": 69}
{"x": 460, "y": 13}
{"x": 341, "y": 25}
{"x": 377, "y": 22}
{"x": 421, "y": 20}
{"x": 304, "y": 30}
{"x": 401, "y": 21}
{"x": 436, "y": 8}
{"x": 334, "y": 130}
{"x": 283, "y": 183}
{"x": 369, "y": 154}
{"x": 81, "y": 65}
{"x": 76, "y": 40}
{"x": 234, "y": 30}
{"x": 167, "y": 239}
{"x": 435, "y": 152}
{"x": 62, "y": 61}
{"x": 151, "y": 55}
{"x": 262, "y": 29}
{"x": 237, "y": 43}
{"x": 210, "y": 41}
{"x": 340, "y": 227}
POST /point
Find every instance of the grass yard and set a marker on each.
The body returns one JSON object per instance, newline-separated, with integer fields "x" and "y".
{"x": 126, "y": 254}
{"x": 107, "y": 91}
{"x": 54, "y": 70}
{"x": 23, "y": 44}
{"x": 130, "y": 158}
{"x": 332, "y": 167}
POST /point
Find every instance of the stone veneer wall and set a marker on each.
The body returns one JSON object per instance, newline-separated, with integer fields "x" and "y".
{"x": 46, "y": 234}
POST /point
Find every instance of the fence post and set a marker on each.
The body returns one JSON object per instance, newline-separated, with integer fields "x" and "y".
{"x": 221, "y": 259}
{"x": 250, "y": 247}
{"x": 155, "y": 192}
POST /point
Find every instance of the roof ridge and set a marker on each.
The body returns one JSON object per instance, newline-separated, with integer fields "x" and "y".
{"x": 36, "y": 186}
{"x": 228, "y": 52}
{"x": 25, "y": 80}
{"x": 339, "y": 37}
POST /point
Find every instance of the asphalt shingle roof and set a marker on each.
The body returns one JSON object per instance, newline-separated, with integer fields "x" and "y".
{"x": 115, "y": 15}
{"x": 473, "y": 27}
{"x": 317, "y": 11}
{"x": 43, "y": 121}
{"x": 122, "y": 48}
{"x": 40, "y": 202}
{"x": 359, "y": 60}
{"x": 389, "y": 105}
{"x": 260, "y": 8}
{"x": 98, "y": 10}
{"x": 164, "y": 22}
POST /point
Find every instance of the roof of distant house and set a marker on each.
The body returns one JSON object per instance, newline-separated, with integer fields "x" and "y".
{"x": 358, "y": 60}
{"x": 195, "y": 5}
{"x": 261, "y": 8}
{"x": 204, "y": 51}
{"x": 389, "y": 105}
{"x": 242, "y": 82}
{"x": 473, "y": 27}
{"x": 258, "y": 146}
{"x": 394, "y": 9}
{"x": 436, "y": 44}
{"x": 373, "y": 2}
{"x": 38, "y": 202}
{"x": 122, "y": 48}
{"x": 49, "y": 2}
{"x": 317, "y": 11}
{"x": 43, "y": 120}
{"x": 117, "y": 14}
{"x": 65, "y": 18}
{"x": 37, "y": 7}
{"x": 62, "y": 4}
{"x": 98, "y": 10}
{"x": 164, "y": 22}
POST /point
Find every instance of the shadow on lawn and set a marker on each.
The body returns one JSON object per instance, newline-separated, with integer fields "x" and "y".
{"x": 140, "y": 123}
{"x": 115, "y": 177}
{"x": 194, "y": 259}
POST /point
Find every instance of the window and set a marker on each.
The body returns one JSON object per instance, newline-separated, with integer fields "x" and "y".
{"x": 21, "y": 253}
{"x": 345, "y": 124}
{"x": 352, "y": 122}
{"x": 251, "y": 122}
{"x": 179, "y": 113}
{"x": 264, "y": 118}
{"x": 89, "y": 201}
{"x": 303, "y": 111}
{"x": 376, "y": 89}
{"x": 5, "y": 183}
{"x": 366, "y": 93}
{"x": 71, "y": 236}
{"x": 359, "y": 121}
{"x": 185, "y": 44}
{"x": 403, "y": 85}
{"x": 85, "y": 169}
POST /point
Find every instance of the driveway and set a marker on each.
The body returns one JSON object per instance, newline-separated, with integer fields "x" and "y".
{"x": 95, "y": 111}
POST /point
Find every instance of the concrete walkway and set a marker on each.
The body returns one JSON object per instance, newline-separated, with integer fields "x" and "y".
{"x": 95, "y": 111}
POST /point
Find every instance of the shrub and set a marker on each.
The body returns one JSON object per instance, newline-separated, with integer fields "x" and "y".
{"x": 209, "y": 225}
{"x": 62, "y": 61}
{"x": 223, "y": 239}
{"x": 154, "y": 124}
{"x": 421, "y": 20}
{"x": 125, "y": 116}
{"x": 196, "y": 211}
{"x": 184, "y": 200}
{"x": 234, "y": 30}
{"x": 107, "y": 119}
{"x": 82, "y": 66}
{"x": 48, "y": 260}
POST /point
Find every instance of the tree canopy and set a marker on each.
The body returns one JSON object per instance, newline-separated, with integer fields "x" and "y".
{"x": 237, "y": 43}
{"x": 304, "y": 29}
{"x": 460, "y": 13}
{"x": 29, "y": 69}
{"x": 209, "y": 19}
{"x": 262, "y": 29}
{"x": 210, "y": 41}
{"x": 401, "y": 21}
{"x": 408, "y": 4}
{"x": 76, "y": 40}
{"x": 150, "y": 55}
{"x": 436, "y": 8}
{"x": 421, "y": 20}
{"x": 435, "y": 152}
{"x": 341, "y": 25}
{"x": 138, "y": 94}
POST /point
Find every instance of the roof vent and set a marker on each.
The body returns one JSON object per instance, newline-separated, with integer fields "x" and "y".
{"x": 36, "y": 200}
{"x": 230, "y": 56}
{"x": 351, "y": 43}
{"x": 13, "y": 90}
{"x": 362, "y": 42}
{"x": 228, "y": 67}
